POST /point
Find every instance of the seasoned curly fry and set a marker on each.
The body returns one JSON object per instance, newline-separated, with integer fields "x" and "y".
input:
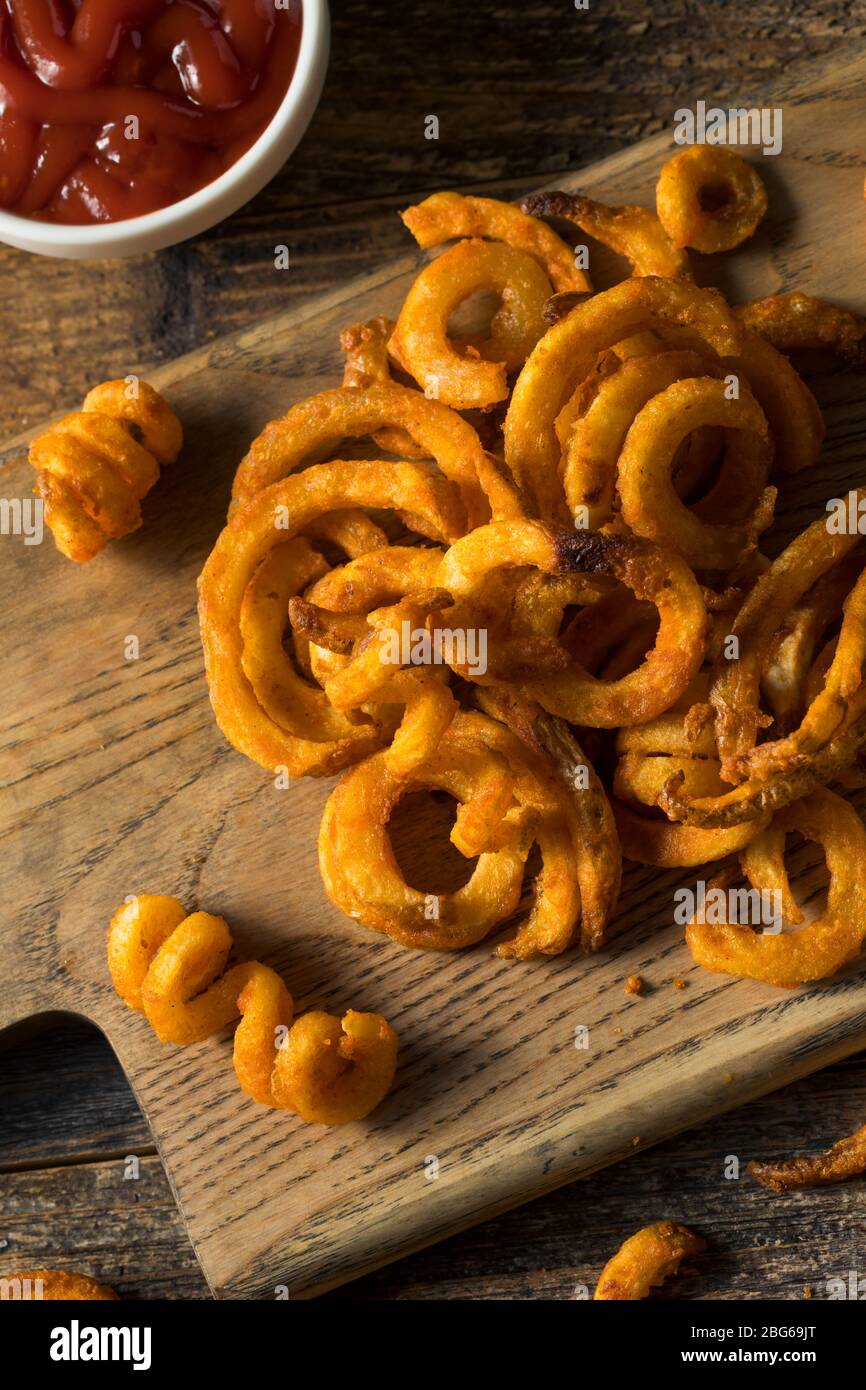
{"x": 633, "y": 232}
{"x": 476, "y": 376}
{"x": 709, "y": 198}
{"x": 845, "y": 1159}
{"x": 573, "y": 693}
{"x": 52, "y": 1285}
{"x": 172, "y": 968}
{"x": 95, "y": 466}
{"x": 444, "y": 216}
{"x": 646, "y": 1259}
{"x": 820, "y": 948}
{"x": 650, "y": 505}
{"x": 795, "y": 321}
{"x": 271, "y": 519}
{"x": 566, "y": 355}
{"x": 322, "y": 422}
{"x": 517, "y": 795}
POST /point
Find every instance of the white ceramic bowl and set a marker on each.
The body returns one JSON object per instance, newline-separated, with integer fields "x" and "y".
{"x": 216, "y": 200}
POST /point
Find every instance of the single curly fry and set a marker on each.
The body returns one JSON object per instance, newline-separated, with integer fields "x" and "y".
{"x": 573, "y": 693}
{"x": 845, "y": 1159}
{"x": 361, "y": 874}
{"x": 565, "y": 357}
{"x": 496, "y": 821}
{"x": 823, "y": 946}
{"x": 650, "y": 505}
{"x": 187, "y": 995}
{"x": 446, "y": 216}
{"x": 319, "y": 423}
{"x": 593, "y": 444}
{"x": 646, "y": 1259}
{"x": 477, "y": 376}
{"x": 268, "y": 520}
{"x": 95, "y": 466}
{"x": 52, "y": 1285}
{"x": 709, "y": 198}
{"x": 631, "y": 231}
{"x": 795, "y": 321}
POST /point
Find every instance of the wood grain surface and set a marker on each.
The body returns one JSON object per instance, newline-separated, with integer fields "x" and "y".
{"x": 112, "y": 804}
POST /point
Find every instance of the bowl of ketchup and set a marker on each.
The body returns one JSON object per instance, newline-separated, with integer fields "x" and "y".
{"x": 129, "y": 125}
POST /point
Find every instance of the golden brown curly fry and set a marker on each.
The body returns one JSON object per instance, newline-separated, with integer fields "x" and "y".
{"x": 818, "y": 949}
{"x": 96, "y": 465}
{"x": 52, "y": 1285}
{"x": 845, "y": 1159}
{"x": 509, "y": 796}
{"x": 646, "y": 1259}
{"x": 473, "y": 376}
{"x": 795, "y": 321}
{"x": 172, "y": 968}
{"x": 709, "y": 198}
{"x": 444, "y": 216}
{"x": 633, "y": 232}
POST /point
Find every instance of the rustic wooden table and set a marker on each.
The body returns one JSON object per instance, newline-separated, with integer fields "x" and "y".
{"x": 521, "y": 91}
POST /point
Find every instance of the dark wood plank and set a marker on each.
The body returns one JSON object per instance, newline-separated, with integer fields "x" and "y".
{"x": 86, "y": 1216}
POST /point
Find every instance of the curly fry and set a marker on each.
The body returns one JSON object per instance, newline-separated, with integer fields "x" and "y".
{"x": 646, "y": 1259}
{"x": 172, "y": 968}
{"x": 709, "y": 198}
{"x": 566, "y": 355}
{"x": 509, "y": 796}
{"x": 476, "y": 376}
{"x": 631, "y": 231}
{"x": 444, "y": 216}
{"x": 814, "y": 951}
{"x": 95, "y": 466}
{"x": 270, "y": 520}
{"x": 573, "y": 693}
{"x": 795, "y": 321}
{"x": 845, "y": 1159}
{"x": 650, "y": 505}
{"x": 52, "y": 1285}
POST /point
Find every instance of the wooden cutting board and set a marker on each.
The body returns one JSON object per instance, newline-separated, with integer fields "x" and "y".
{"x": 118, "y": 781}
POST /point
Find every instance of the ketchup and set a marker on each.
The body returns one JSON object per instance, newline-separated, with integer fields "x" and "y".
{"x": 113, "y": 108}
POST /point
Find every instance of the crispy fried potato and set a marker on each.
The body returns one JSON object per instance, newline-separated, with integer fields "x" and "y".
{"x": 845, "y": 1159}
{"x": 646, "y": 1259}
{"x": 709, "y": 198}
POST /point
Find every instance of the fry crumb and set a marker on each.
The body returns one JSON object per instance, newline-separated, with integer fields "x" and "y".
{"x": 635, "y": 1141}
{"x": 679, "y": 984}
{"x": 634, "y": 985}
{"x": 808, "y": 1291}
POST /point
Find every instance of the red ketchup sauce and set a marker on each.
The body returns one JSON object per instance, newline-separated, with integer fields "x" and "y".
{"x": 113, "y": 108}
